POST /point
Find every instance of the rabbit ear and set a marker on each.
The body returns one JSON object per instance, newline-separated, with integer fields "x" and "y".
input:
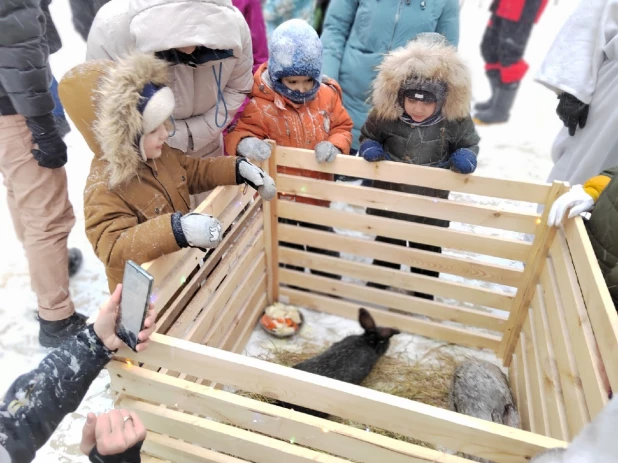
{"x": 387, "y": 333}
{"x": 366, "y": 320}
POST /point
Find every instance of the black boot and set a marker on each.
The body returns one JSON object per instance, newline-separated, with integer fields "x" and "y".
{"x": 75, "y": 261}
{"x": 53, "y": 334}
{"x": 494, "y": 81}
{"x": 501, "y": 105}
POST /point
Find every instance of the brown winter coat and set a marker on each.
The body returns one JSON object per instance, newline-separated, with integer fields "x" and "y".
{"x": 128, "y": 203}
{"x": 272, "y": 116}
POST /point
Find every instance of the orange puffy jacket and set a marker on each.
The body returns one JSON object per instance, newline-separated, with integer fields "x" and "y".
{"x": 272, "y": 116}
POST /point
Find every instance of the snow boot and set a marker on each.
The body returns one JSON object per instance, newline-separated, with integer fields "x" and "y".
{"x": 494, "y": 81}
{"x": 75, "y": 261}
{"x": 500, "y": 109}
{"x": 54, "y": 333}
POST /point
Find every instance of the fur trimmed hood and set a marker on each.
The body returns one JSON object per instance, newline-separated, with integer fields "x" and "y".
{"x": 119, "y": 123}
{"x": 428, "y": 57}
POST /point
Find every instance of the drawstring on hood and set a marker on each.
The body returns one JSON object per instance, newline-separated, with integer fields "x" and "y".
{"x": 220, "y": 98}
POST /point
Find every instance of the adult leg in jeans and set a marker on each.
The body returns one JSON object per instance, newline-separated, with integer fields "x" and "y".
{"x": 42, "y": 215}
{"x": 420, "y": 271}
{"x": 324, "y": 252}
{"x": 384, "y": 239}
{"x": 61, "y": 119}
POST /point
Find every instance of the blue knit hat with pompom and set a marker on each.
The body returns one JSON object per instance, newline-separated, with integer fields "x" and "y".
{"x": 295, "y": 50}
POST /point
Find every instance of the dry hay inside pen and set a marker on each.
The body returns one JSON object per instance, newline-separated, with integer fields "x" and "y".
{"x": 427, "y": 379}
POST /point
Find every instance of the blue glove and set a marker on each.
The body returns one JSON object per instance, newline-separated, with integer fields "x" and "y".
{"x": 463, "y": 161}
{"x": 372, "y": 151}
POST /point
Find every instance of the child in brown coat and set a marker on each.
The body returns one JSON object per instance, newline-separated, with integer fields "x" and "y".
{"x": 136, "y": 201}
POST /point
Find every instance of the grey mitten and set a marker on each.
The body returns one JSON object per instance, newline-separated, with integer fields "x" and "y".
{"x": 254, "y": 148}
{"x": 325, "y": 151}
{"x": 201, "y": 230}
{"x": 255, "y": 178}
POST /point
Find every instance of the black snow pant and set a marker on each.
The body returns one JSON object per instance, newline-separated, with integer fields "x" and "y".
{"x": 505, "y": 40}
{"x": 308, "y": 248}
{"x": 398, "y": 242}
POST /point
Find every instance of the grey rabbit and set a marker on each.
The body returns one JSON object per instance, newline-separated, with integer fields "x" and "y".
{"x": 351, "y": 359}
{"x": 480, "y": 389}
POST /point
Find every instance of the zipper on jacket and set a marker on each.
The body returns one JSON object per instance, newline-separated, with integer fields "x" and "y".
{"x": 390, "y": 45}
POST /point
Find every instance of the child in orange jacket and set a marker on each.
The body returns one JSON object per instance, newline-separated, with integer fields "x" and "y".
{"x": 294, "y": 105}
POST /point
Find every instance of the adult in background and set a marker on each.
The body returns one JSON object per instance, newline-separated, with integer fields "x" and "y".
{"x": 32, "y": 156}
{"x": 37, "y": 401}
{"x": 503, "y": 47}
{"x": 208, "y": 43}
{"x": 276, "y": 12}
{"x": 582, "y": 67}
{"x": 84, "y": 12}
{"x": 357, "y": 34}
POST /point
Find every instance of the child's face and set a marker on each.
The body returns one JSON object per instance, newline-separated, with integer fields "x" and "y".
{"x": 153, "y": 142}
{"x": 419, "y": 110}
{"x": 300, "y": 83}
{"x": 187, "y": 50}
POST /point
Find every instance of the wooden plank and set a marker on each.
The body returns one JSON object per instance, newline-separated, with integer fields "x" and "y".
{"x": 417, "y": 258}
{"x": 534, "y": 266}
{"x": 245, "y": 317}
{"x": 392, "y": 300}
{"x": 575, "y": 402}
{"x": 513, "y": 376}
{"x": 255, "y": 277}
{"x": 537, "y": 399}
{"x": 424, "y": 206}
{"x": 239, "y": 344}
{"x": 396, "y": 278}
{"x": 419, "y": 233}
{"x": 224, "y": 267}
{"x": 406, "y": 323}
{"x": 599, "y": 303}
{"x": 271, "y": 217}
{"x": 268, "y": 419}
{"x": 589, "y": 363}
{"x": 548, "y": 371}
{"x": 523, "y": 388}
{"x": 169, "y": 269}
{"x": 222, "y": 437}
{"x": 426, "y": 423}
{"x": 415, "y": 175}
{"x": 248, "y": 219}
{"x": 178, "y": 451}
{"x": 216, "y": 304}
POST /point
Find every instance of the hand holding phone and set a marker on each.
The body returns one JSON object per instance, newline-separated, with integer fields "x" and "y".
{"x": 107, "y": 321}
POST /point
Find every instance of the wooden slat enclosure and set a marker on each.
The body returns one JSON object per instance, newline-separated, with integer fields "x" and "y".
{"x": 540, "y": 305}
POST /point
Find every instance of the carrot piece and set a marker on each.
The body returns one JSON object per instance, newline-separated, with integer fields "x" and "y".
{"x": 268, "y": 322}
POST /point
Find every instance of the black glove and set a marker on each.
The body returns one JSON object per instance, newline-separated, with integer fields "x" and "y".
{"x": 572, "y": 112}
{"x": 131, "y": 455}
{"x": 52, "y": 152}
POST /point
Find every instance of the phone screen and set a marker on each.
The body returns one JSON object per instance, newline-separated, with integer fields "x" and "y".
{"x": 136, "y": 288}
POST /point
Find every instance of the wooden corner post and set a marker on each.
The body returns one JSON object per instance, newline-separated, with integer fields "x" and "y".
{"x": 533, "y": 268}
{"x": 271, "y": 240}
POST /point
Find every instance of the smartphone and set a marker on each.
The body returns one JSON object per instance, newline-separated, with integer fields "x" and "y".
{"x": 136, "y": 289}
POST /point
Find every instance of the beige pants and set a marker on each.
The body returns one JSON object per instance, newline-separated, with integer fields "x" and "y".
{"x": 42, "y": 217}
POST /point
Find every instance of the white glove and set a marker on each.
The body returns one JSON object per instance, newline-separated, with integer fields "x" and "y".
{"x": 255, "y": 178}
{"x": 201, "y": 230}
{"x": 576, "y": 199}
{"x": 254, "y": 149}
{"x": 325, "y": 151}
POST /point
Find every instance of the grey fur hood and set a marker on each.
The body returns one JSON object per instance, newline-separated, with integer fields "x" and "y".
{"x": 428, "y": 57}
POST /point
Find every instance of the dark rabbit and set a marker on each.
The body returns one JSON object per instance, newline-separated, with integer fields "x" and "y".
{"x": 480, "y": 389}
{"x": 351, "y": 359}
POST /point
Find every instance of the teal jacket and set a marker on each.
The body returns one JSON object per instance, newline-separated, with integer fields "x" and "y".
{"x": 357, "y": 34}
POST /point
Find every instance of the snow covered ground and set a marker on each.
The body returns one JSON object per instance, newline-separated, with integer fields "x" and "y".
{"x": 518, "y": 150}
